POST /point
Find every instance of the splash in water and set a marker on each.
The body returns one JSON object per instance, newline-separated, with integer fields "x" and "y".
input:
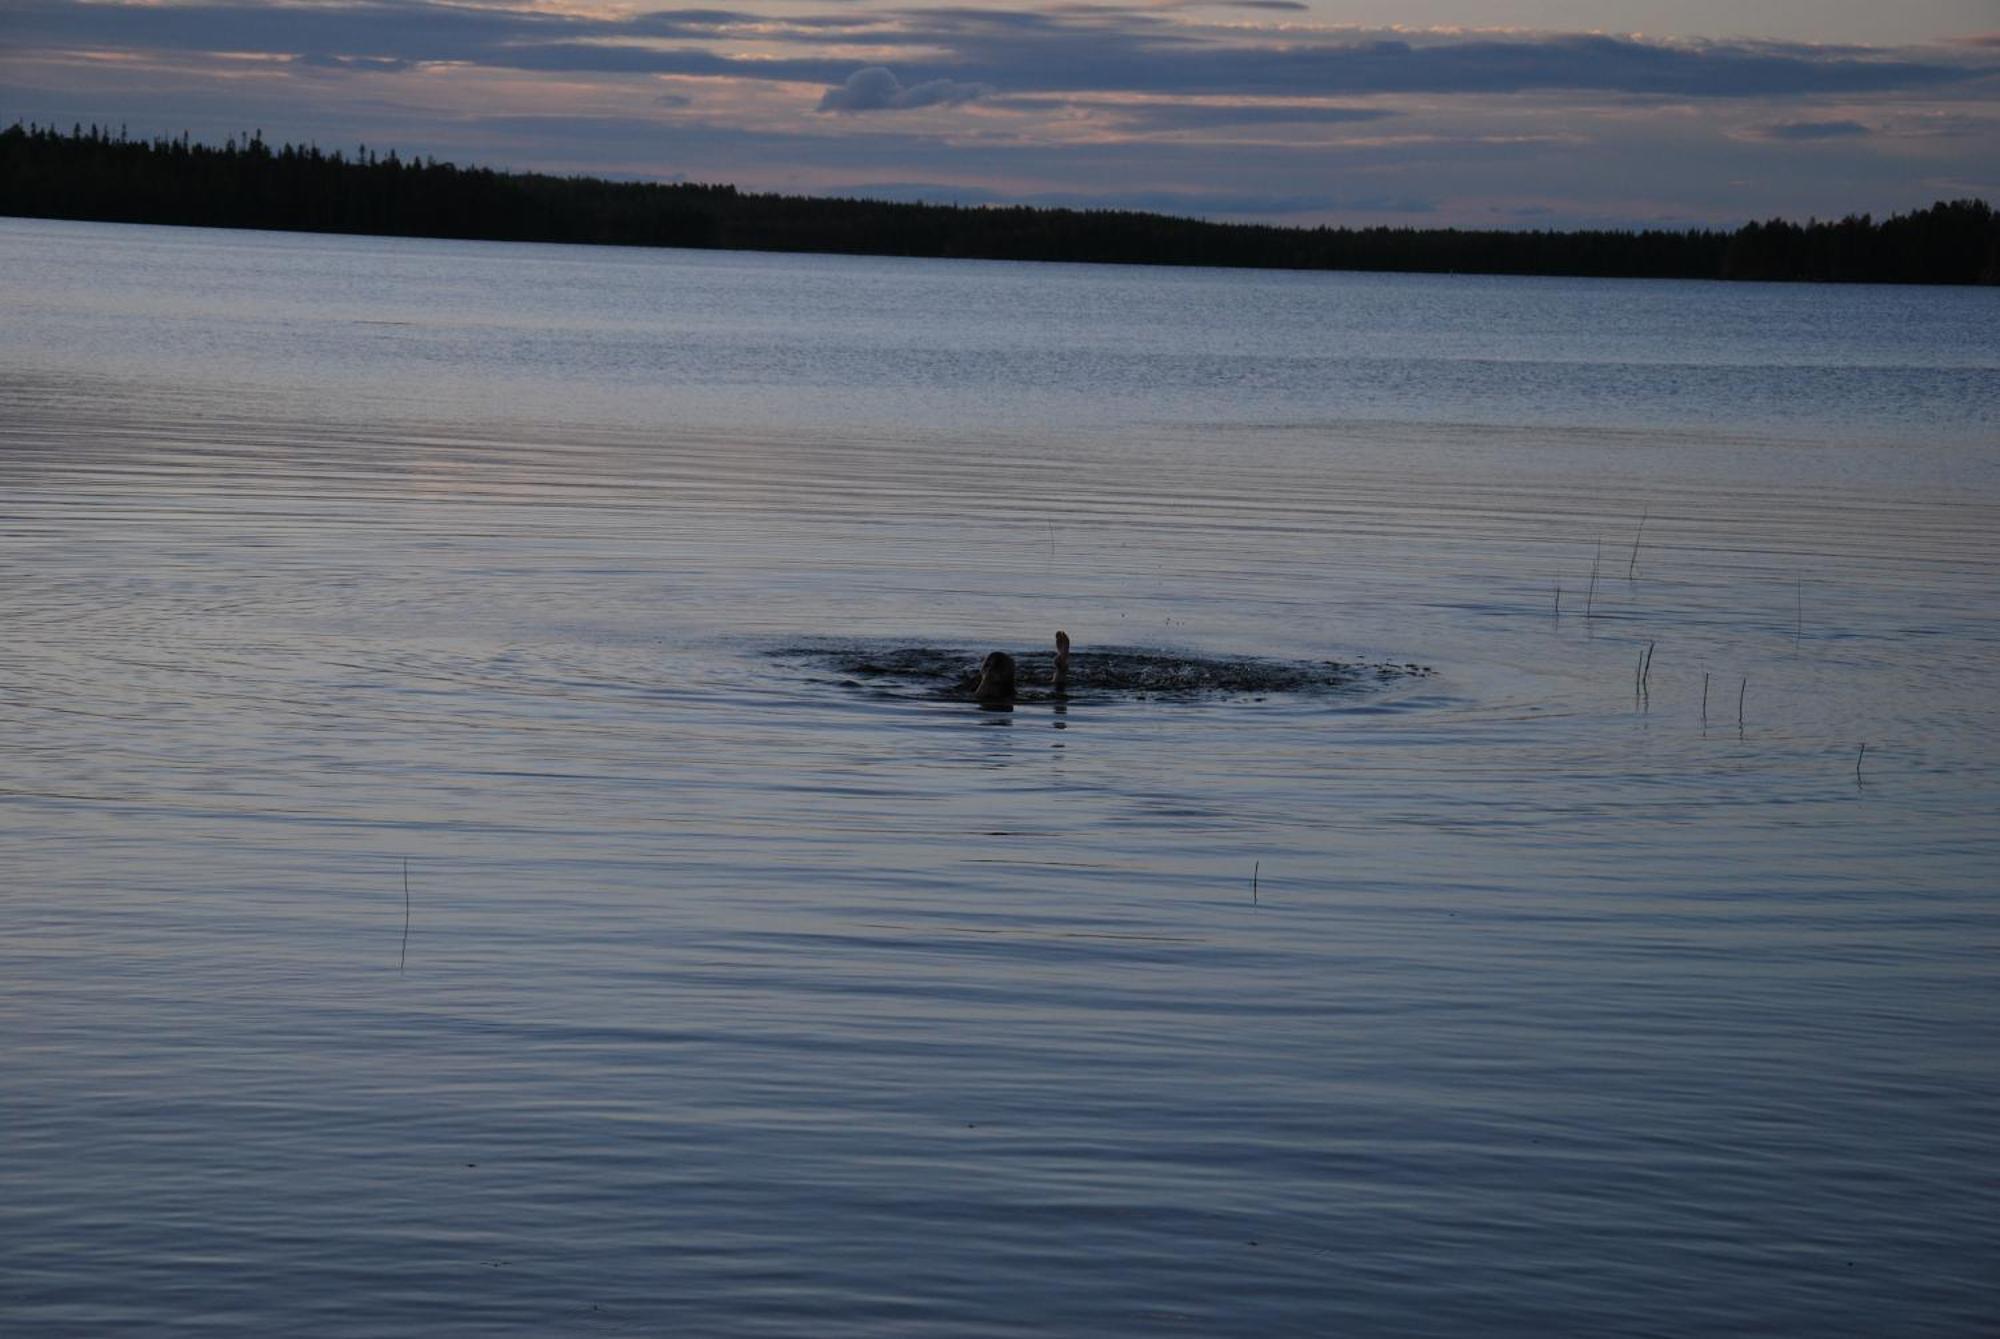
{"x": 1107, "y": 672}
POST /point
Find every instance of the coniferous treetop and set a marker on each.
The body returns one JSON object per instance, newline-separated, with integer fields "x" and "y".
{"x": 91, "y": 173}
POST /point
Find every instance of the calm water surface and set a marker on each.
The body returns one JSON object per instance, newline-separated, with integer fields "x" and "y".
{"x": 732, "y": 996}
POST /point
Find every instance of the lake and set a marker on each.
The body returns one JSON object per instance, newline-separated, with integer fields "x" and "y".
{"x": 474, "y": 862}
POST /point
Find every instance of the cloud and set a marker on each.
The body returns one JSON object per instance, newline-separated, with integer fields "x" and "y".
{"x": 1946, "y": 125}
{"x": 1102, "y": 48}
{"x": 1814, "y": 130}
{"x": 1159, "y": 115}
{"x": 876, "y": 89}
{"x": 321, "y": 61}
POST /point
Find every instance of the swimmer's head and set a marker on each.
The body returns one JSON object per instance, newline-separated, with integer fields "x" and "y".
{"x": 996, "y": 678}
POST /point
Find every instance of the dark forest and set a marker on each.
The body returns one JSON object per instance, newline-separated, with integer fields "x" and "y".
{"x": 94, "y": 174}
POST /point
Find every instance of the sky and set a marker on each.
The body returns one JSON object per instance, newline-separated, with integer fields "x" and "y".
{"x": 1481, "y": 113}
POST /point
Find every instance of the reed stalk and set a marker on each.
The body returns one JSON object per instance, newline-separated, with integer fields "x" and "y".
{"x": 404, "y": 960}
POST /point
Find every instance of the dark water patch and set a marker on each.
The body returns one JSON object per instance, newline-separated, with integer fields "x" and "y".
{"x": 1108, "y": 672}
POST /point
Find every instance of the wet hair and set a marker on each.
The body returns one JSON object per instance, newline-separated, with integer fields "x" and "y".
{"x": 996, "y": 678}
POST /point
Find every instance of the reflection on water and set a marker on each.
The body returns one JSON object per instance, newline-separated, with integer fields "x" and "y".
{"x": 736, "y": 999}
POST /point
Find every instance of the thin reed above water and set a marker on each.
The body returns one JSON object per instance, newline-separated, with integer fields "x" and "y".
{"x": 730, "y": 996}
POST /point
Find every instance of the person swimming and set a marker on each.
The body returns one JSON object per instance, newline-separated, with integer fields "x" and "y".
{"x": 996, "y": 679}
{"x": 998, "y": 675}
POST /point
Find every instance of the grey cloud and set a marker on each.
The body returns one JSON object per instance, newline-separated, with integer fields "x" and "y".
{"x": 1170, "y": 116}
{"x": 1813, "y": 130}
{"x": 1563, "y": 63}
{"x": 876, "y": 89}
{"x": 412, "y": 30}
{"x": 1947, "y": 126}
{"x": 322, "y": 61}
{"x": 404, "y": 31}
{"x": 680, "y": 18}
{"x": 592, "y": 58}
{"x": 1111, "y": 49}
{"x": 1076, "y": 49}
{"x": 1193, "y": 115}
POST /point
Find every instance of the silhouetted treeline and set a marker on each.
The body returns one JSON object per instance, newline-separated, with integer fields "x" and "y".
{"x": 94, "y": 174}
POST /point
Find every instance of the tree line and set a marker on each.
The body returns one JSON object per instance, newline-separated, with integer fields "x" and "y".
{"x": 92, "y": 173}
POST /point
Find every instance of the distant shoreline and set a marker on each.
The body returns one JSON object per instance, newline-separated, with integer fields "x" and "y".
{"x": 89, "y": 174}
